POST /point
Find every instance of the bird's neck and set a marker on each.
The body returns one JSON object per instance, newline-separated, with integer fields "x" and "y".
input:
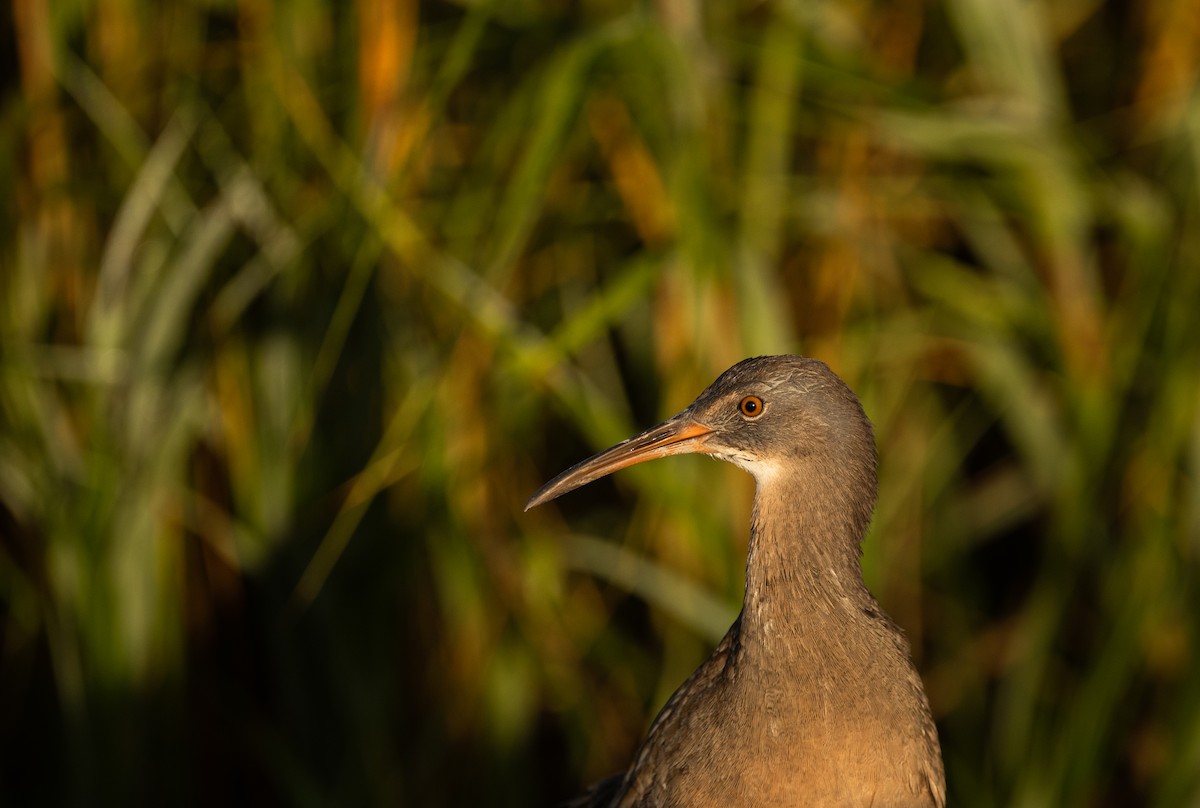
{"x": 803, "y": 576}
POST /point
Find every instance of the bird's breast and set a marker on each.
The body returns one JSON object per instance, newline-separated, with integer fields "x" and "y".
{"x": 807, "y": 722}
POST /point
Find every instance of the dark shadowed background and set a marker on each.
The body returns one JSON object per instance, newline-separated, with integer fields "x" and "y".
{"x": 300, "y": 301}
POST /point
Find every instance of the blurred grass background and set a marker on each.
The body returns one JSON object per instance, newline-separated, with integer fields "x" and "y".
{"x": 299, "y": 302}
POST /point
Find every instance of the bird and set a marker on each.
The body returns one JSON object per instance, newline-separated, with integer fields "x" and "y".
{"x": 812, "y": 697}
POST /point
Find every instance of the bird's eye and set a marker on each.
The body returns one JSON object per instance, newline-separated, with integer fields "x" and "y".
{"x": 751, "y": 406}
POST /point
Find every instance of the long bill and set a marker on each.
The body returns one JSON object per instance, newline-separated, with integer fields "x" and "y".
{"x": 678, "y": 435}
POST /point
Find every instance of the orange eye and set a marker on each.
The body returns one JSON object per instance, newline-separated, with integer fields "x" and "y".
{"x": 751, "y": 406}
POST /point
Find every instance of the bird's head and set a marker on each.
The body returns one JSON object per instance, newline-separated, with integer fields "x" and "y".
{"x": 772, "y": 415}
